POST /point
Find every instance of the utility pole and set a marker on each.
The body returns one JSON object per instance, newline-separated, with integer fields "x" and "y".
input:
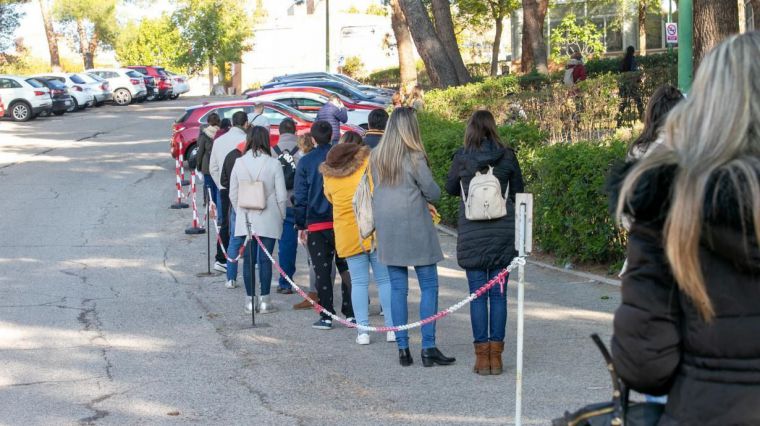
{"x": 327, "y": 35}
{"x": 685, "y": 44}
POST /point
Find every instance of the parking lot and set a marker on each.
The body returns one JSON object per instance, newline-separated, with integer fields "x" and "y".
{"x": 103, "y": 319}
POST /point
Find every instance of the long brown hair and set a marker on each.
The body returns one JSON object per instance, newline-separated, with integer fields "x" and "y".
{"x": 664, "y": 99}
{"x": 480, "y": 127}
{"x": 715, "y": 130}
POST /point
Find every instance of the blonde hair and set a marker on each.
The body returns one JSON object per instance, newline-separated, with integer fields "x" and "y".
{"x": 715, "y": 131}
{"x": 305, "y": 143}
{"x": 401, "y": 139}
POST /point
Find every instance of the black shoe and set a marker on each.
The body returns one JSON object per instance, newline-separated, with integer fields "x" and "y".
{"x": 433, "y": 356}
{"x": 405, "y": 358}
{"x": 286, "y": 290}
{"x": 279, "y": 290}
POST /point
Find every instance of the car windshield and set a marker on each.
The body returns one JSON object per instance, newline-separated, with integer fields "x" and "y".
{"x": 161, "y": 71}
{"x": 95, "y": 77}
{"x": 86, "y": 78}
{"x": 348, "y": 79}
{"x": 34, "y": 83}
{"x": 134, "y": 74}
{"x": 77, "y": 79}
{"x": 293, "y": 112}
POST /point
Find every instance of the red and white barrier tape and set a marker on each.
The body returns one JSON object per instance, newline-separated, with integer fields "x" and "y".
{"x": 219, "y": 238}
{"x": 179, "y": 181}
{"x": 194, "y": 204}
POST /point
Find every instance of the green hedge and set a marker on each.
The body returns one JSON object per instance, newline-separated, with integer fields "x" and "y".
{"x": 571, "y": 219}
{"x": 596, "y": 67}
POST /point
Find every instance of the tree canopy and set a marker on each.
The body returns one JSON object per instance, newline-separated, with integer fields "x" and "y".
{"x": 152, "y": 41}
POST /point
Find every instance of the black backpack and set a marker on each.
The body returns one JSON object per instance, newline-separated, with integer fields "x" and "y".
{"x": 288, "y": 163}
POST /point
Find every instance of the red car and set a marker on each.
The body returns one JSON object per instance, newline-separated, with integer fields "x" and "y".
{"x": 162, "y": 79}
{"x": 307, "y": 104}
{"x": 186, "y": 129}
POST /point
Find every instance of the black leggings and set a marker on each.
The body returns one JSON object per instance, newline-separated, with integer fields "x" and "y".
{"x": 322, "y": 252}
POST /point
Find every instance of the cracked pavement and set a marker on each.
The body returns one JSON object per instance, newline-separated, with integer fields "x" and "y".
{"x": 104, "y": 321}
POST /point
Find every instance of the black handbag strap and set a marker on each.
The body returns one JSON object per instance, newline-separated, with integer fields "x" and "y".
{"x": 617, "y": 391}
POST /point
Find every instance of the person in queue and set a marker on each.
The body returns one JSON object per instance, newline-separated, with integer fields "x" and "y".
{"x": 219, "y": 150}
{"x": 407, "y": 236}
{"x": 257, "y": 117}
{"x": 235, "y": 243}
{"x": 689, "y": 320}
{"x": 224, "y": 127}
{"x": 486, "y": 247}
{"x": 205, "y": 143}
{"x": 257, "y": 165}
{"x": 342, "y": 170}
{"x": 288, "y": 244}
{"x": 314, "y": 218}
{"x": 335, "y": 113}
{"x": 377, "y": 120}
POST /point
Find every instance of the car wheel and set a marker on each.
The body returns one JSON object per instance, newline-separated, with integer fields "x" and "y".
{"x": 21, "y": 111}
{"x": 59, "y": 113}
{"x": 141, "y": 100}
{"x": 175, "y": 97}
{"x": 192, "y": 156}
{"x": 122, "y": 97}
{"x": 74, "y": 105}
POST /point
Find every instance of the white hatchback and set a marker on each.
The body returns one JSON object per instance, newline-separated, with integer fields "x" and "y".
{"x": 81, "y": 93}
{"x": 180, "y": 84}
{"x": 127, "y": 85}
{"x": 24, "y": 100}
{"x": 101, "y": 90}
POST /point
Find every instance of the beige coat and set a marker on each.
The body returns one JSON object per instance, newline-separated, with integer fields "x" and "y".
{"x": 268, "y": 222}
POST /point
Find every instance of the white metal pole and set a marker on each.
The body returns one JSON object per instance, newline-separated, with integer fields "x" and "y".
{"x": 522, "y": 230}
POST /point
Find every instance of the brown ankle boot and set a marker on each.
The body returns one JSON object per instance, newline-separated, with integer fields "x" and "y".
{"x": 496, "y": 348}
{"x": 482, "y": 363}
{"x": 304, "y": 304}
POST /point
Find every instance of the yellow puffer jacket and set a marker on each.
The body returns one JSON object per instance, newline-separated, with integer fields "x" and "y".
{"x": 342, "y": 171}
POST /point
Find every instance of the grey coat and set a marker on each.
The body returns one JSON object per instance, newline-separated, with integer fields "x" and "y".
{"x": 406, "y": 235}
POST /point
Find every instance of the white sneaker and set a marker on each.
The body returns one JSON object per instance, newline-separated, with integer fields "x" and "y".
{"x": 362, "y": 339}
{"x": 231, "y": 284}
{"x": 390, "y": 336}
{"x": 249, "y": 304}
{"x": 220, "y": 267}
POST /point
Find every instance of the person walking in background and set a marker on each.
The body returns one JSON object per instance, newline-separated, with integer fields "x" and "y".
{"x": 257, "y": 165}
{"x": 257, "y": 117}
{"x": 224, "y": 127}
{"x": 376, "y": 121}
{"x": 205, "y": 144}
{"x": 416, "y": 100}
{"x": 287, "y": 147}
{"x": 629, "y": 85}
{"x": 486, "y": 247}
{"x": 314, "y": 217}
{"x": 219, "y": 150}
{"x": 406, "y": 236}
{"x": 344, "y": 167}
{"x": 689, "y": 319}
{"x": 575, "y": 70}
{"x": 335, "y": 114}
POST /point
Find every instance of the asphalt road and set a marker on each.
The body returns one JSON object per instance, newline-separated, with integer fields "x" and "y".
{"x": 103, "y": 320}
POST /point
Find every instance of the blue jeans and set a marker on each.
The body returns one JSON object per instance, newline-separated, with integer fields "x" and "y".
{"x": 359, "y": 266}
{"x": 252, "y": 251}
{"x": 427, "y": 276}
{"x": 288, "y": 247}
{"x": 208, "y": 183}
{"x": 233, "y": 249}
{"x": 488, "y": 325}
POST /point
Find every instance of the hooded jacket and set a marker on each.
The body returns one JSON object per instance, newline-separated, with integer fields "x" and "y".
{"x": 205, "y": 142}
{"x": 487, "y": 244}
{"x": 710, "y": 371}
{"x": 342, "y": 171}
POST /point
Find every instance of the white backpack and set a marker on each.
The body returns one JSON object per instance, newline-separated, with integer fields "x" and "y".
{"x": 485, "y": 201}
{"x": 362, "y": 204}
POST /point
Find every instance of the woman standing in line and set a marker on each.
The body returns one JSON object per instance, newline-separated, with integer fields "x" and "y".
{"x": 486, "y": 247}
{"x": 257, "y": 164}
{"x": 406, "y": 236}
{"x": 689, "y": 320}
{"x": 345, "y": 165}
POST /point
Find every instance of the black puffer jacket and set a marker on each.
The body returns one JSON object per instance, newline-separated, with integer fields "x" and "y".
{"x": 710, "y": 372}
{"x": 486, "y": 244}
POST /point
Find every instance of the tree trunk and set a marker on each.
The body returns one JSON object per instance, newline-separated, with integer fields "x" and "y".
{"x": 533, "y": 42}
{"x": 211, "y": 74}
{"x": 52, "y": 37}
{"x": 430, "y": 48}
{"x": 444, "y": 27}
{"x": 83, "y": 50}
{"x": 756, "y": 9}
{"x": 92, "y": 46}
{"x": 496, "y": 46}
{"x": 405, "y": 49}
{"x": 713, "y": 22}
{"x": 643, "y": 27}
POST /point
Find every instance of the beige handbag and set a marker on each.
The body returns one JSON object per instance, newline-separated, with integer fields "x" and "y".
{"x": 252, "y": 194}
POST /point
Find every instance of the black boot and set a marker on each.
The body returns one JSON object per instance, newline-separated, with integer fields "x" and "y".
{"x": 432, "y": 356}
{"x": 405, "y": 358}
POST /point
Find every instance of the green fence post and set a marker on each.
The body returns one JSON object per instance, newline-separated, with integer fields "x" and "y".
{"x": 685, "y": 44}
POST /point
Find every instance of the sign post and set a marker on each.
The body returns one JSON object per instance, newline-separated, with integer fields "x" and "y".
{"x": 523, "y": 245}
{"x": 671, "y": 33}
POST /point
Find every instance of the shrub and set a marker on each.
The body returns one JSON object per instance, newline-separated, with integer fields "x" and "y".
{"x": 534, "y": 80}
{"x": 458, "y": 103}
{"x": 354, "y": 67}
{"x": 596, "y": 67}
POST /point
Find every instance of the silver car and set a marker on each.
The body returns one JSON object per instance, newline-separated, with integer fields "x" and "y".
{"x": 101, "y": 88}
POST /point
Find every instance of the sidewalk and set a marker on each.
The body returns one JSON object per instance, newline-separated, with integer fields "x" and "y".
{"x": 321, "y": 377}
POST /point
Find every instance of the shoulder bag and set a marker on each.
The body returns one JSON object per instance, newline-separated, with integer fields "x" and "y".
{"x": 252, "y": 194}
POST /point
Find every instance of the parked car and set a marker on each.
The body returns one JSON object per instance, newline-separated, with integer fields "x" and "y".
{"x": 101, "y": 90}
{"x": 25, "y": 100}
{"x": 334, "y": 77}
{"x": 311, "y": 99}
{"x": 180, "y": 84}
{"x": 334, "y": 86}
{"x": 80, "y": 91}
{"x": 185, "y": 130}
{"x": 59, "y": 94}
{"x": 2, "y": 107}
{"x": 162, "y": 80}
{"x": 127, "y": 85}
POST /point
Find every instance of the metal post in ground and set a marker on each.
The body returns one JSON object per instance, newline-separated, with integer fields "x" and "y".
{"x": 523, "y": 225}
{"x": 207, "y": 203}
{"x": 685, "y": 44}
{"x": 179, "y": 204}
{"x": 195, "y": 228}
{"x": 184, "y": 181}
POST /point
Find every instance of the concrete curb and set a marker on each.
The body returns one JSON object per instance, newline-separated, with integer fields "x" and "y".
{"x": 585, "y": 275}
